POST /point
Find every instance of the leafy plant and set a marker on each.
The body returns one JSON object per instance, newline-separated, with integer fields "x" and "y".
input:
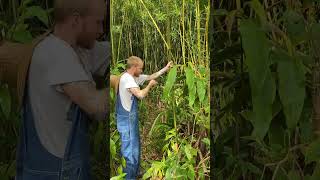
{"x": 262, "y": 63}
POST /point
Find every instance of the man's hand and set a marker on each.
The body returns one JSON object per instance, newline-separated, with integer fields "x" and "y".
{"x": 153, "y": 82}
{"x": 162, "y": 71}
{"x": 169, "y": 65}
{"x": 143, "y": 93}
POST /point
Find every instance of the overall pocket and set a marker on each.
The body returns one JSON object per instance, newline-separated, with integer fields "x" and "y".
{"x": 123, "y": 126}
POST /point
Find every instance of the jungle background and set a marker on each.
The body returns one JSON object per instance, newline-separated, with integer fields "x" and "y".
{"x": 265, "y": 95}
{"x": 175, "y": 116}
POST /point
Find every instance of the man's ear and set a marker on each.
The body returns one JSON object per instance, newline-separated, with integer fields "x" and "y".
{"x": 76, "y": 19}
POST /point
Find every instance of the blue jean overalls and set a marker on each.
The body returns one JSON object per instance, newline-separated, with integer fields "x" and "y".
{"x": 128, "y": 127}
{"x": 34, "y": 162}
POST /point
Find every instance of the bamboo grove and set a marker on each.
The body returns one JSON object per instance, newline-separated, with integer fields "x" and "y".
{"x": 175, "y": 116}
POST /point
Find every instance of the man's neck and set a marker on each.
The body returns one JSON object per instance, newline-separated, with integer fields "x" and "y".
{"x": 62, "y": 33}
{"x": 129, "y": 71}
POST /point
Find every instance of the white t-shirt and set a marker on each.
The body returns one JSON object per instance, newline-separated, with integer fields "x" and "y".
{"x": 127, "y": 81}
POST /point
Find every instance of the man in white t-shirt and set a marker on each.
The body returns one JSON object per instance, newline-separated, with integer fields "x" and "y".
{"x": 127, "y": 111}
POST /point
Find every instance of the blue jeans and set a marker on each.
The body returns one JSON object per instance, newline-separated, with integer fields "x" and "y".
{"x": 128, "y": 127}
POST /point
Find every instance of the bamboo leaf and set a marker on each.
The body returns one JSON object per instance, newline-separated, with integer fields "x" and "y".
{"x": 190, "y": 80}
{"x": 201, "y": 89}
{"x": 170, "y": 82}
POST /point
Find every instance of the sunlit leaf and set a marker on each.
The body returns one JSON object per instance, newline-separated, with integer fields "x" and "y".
{"x": 170, "y": 82}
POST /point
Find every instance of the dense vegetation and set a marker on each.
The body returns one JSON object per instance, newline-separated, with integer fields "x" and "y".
{"x": 174, "y": 118}
{"x": 265, "y": 55}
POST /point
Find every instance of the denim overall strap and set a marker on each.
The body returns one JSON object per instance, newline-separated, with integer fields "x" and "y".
{"x": 34, "y": 162}
{"x": 75, "y": 165}
{"x": 128, "y": 127}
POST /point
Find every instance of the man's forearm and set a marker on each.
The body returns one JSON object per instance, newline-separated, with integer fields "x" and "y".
{"x": 141, "y": 93}
{"x": 157, "y": 74}
{"x": 101, "y": 105}
{"x": 144, "y": 92}
{"x": 94, "y": 102}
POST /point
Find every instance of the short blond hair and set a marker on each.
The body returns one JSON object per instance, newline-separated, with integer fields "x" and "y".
{"x": 133, "y": 61}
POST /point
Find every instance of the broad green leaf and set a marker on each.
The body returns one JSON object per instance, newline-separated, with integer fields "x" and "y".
{"x": 123, "y": 162}
{"x": 148, "y": 174}
{"x": 171, "y": 79}
{"x": 262, "y": 84}
{"x": 206, "y": 141}
{"x": 187, "y": 151}
{"x": 119, "y": 177}
{"x": 291, "y": 87}
{"x": 201, "y": 89}
{"x": 37, "y": 11}
{"x": 262, "y": 106}
{"x": 23, "y": 36}
{"x": 5, "y": 101}
{"x": 191, "y": 173}
{"x": 313, "y": 152}
{"x": 256, "y": 50}
{"x": 113, "y": 148}
{"x": 190, "y": 80}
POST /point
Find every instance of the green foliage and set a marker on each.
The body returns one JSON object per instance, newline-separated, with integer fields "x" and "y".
{"x": 261, "y": 81}
{"x": 263, "y": 60}
{"x": 26, "y": 14}
{"x": 174, "y": 118}
{"x": 169, "y": 83}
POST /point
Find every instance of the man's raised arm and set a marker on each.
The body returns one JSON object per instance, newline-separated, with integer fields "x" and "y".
{"x": 159, "y": 73}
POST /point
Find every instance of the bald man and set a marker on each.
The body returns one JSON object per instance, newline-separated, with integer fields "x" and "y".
{"x": 127, "y": 111}
{"x": 61, "y": 95}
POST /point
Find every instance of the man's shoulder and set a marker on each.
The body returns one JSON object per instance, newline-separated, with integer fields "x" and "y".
{"x": 125, "y": 77}
{"x": 51, "y": 45}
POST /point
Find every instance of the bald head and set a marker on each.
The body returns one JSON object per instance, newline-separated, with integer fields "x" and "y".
{"x": 66, "y": 8}
{"x": 80, "y": 21}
